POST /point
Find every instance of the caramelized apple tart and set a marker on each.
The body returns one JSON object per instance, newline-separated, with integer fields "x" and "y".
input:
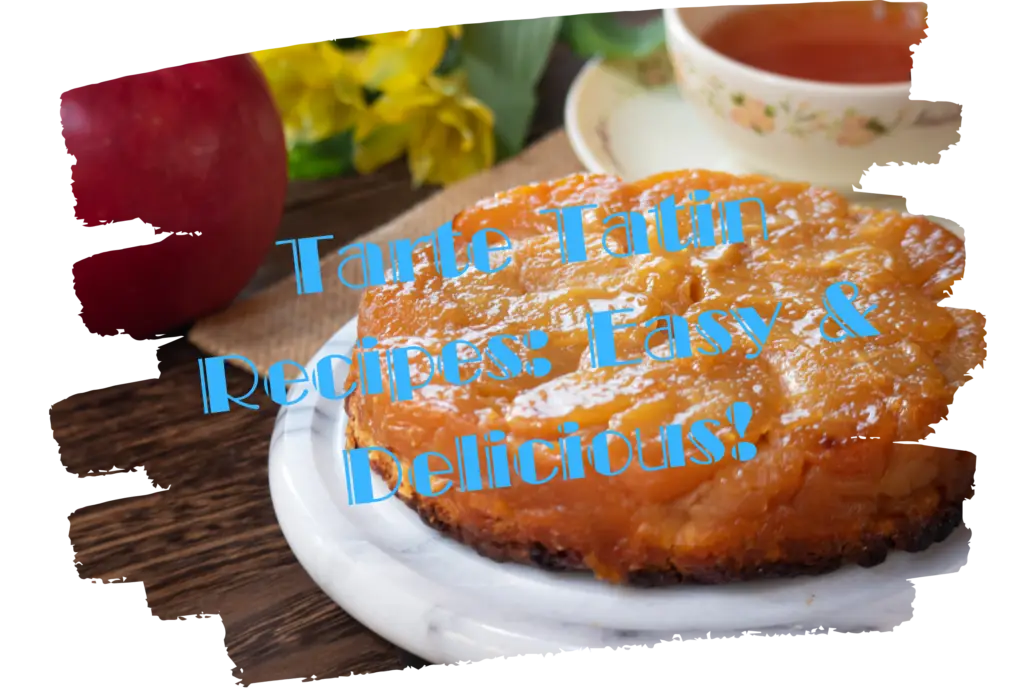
{"x": 829, "y": 484}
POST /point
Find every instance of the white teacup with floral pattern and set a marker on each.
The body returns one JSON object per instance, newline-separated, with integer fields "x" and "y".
{"x": 803, "y": 130}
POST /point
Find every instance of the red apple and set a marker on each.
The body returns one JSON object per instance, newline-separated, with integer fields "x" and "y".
{"x": 194, "y": 149}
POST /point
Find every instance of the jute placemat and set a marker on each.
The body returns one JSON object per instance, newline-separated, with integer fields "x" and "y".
{"x": 279, "y": 324}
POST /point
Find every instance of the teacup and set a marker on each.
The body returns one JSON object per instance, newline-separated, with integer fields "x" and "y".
{"x": 825, "y": 132}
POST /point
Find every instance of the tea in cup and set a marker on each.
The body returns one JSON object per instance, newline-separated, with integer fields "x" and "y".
{"x": 816, "y": 92}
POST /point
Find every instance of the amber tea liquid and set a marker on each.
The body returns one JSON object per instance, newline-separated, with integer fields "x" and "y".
{"x": 840, "y": 42}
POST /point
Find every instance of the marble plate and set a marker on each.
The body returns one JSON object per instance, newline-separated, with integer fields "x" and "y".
{"x": 618, "y": 125}
{"x": 443, "y": 602}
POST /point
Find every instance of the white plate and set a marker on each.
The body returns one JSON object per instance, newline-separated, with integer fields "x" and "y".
{"x": 443, "y": 602}
{"x": 619, "y": 126}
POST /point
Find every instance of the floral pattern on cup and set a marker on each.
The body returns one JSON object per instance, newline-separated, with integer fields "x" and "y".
{"x": 850, "y": 129}
{"x": 803, "y": 121}
{"x": 752, "y": 114}
{"x": 856, "y": 130}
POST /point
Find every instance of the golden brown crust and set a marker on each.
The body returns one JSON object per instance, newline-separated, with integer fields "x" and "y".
{"x": 913, "y": 534}
{"x": 829, "y": 483}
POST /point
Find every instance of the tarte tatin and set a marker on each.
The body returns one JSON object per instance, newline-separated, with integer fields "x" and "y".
{"x": 827, "y": 486}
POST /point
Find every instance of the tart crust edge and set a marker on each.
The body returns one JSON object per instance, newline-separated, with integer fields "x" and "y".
{"x": 913, "y": 535}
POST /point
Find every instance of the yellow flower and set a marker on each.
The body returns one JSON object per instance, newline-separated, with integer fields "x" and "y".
{"x": 316, "y": 89}
{"x": 447, "y": 133}
{"x": 379, "y": 143}
{"x": 402, "y": 59}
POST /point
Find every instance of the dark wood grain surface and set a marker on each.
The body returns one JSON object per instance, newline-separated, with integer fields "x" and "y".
{"x": 210, "y": 544}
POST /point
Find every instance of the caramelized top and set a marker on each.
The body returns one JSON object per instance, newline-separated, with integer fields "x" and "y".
{"x": 811, "y": 398}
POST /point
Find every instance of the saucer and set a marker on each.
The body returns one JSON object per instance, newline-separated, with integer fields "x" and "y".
{"x": 618, "y": 125}
{"x": 442, "y": 601}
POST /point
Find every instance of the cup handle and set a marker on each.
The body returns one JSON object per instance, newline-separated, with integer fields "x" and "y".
{"x": 938, "y": 114}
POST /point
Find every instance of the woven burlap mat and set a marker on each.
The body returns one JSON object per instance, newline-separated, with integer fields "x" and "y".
{"x": 279, "y": 324}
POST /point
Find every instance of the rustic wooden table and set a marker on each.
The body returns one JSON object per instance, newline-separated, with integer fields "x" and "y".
{"x": 211, "y": 544}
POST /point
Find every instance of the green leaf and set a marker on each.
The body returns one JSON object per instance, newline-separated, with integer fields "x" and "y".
{"x": 353, "y": 43}
{"x": 503, "y": 62}
{"x": 517, "y": 50}
{"x": 876, "y": 126}
{"x": 323, "y": 159}
{"x": 513, "y": 104}
{"x": 607, "y": 36}
{"x": 451, "y": 59}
